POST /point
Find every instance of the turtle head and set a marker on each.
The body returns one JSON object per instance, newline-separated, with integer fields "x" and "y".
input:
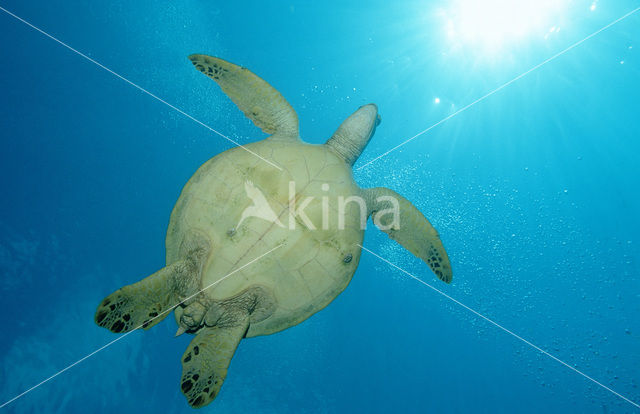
{"x": 365, "y": 120}
{"x": 354, "y": 133}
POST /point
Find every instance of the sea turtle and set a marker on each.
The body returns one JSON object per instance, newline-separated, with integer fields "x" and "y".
{"x": 264, "y": 235}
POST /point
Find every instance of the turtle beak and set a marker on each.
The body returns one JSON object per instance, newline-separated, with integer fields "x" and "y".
{"x": 180, "y": 331}
{"x": 369, "y": 115}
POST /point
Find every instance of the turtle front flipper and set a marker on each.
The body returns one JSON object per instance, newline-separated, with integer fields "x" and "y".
{"x": 147, "y": 302}
{"x": 206, "y": 360}
{"x": 404, "y": 223}
{"x": 259, "y": 101}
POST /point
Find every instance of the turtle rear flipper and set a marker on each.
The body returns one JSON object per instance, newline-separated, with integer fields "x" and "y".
{"x": 147, "y": 302}
{"x": 206, "y": 360}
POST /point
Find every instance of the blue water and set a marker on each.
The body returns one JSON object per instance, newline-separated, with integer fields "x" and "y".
{"x": 533, "y": 190}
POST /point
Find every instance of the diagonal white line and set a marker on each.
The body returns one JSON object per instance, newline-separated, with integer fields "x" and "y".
{"x": 537, "y": 348}
{"x": 138, "y": 87}
{"x": 133, "y": 330}
{"x": 539, "y": 65}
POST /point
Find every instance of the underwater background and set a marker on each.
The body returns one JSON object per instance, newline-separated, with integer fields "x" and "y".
{"x": 534, "y": 191}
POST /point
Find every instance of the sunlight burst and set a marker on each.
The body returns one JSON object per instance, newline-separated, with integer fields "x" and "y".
{"x": 491, "y": 24}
